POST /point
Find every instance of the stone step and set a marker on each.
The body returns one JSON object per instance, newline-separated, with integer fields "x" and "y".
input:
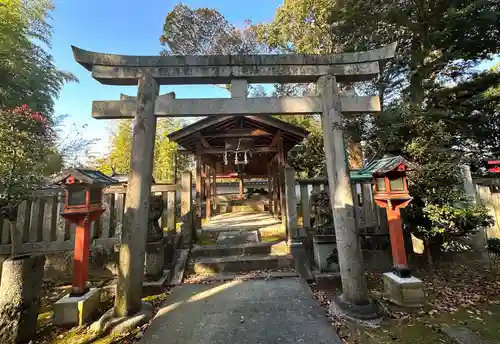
{"x": 241, "y": 263}
{"x": 248, "y": 208}
{"x": 263, "y": 248}
{"x": 253, "y": 275}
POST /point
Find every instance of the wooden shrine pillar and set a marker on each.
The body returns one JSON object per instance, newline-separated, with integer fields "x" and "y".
{"x": 241, "y": 186}
{"x": 269, "y": 187}
{"x": 203, "y": 180}
{"x": 281, "y": 171}
{"x": 197, "y": 220}
{"x": 208, "y": 192}
{"x": 291, "y": 205}
{"x": 214, "y": 187}
{"x": 276, "y": 203}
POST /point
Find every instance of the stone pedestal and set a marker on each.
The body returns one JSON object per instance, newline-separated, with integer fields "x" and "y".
{"x": 154, "y": 260}
{"x": 404, "y": 291}
{"x": 325, "y": 253}
{"x": 76, "y": 310}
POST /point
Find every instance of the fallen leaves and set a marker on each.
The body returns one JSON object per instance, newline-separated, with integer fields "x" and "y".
{"x": 451, "y": 288}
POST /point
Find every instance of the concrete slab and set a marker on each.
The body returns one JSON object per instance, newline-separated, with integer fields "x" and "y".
{"x": 244, "y": 312}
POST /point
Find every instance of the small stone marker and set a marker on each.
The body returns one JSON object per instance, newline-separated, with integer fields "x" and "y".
{"x": 461, "y": 335}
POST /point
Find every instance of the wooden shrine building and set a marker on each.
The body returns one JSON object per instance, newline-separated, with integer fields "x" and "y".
{"x": 243, "y": 147}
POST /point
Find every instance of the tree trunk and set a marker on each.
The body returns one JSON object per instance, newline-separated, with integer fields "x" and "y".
{"x": 22, "y": 278}
{"x": 430, "y": 260}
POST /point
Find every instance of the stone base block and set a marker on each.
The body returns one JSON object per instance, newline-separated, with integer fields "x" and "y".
{"x": 76, "y": 310}
{"x": 154, "y": 260}
{"x": 325, "y": 251}
{"x": 404, "y": 291}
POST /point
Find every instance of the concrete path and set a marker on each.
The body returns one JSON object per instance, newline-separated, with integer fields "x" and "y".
{"x": 241, "y": 312}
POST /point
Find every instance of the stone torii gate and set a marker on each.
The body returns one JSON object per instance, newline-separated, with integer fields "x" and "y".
{"x": 149, "y": 72}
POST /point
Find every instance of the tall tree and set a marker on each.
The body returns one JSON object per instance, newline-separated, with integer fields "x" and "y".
{"x": 205, "y": 31}
{"x": 165, "y": 159}
{"x": 120, "y": 143}
{"x": 437, "y": 112}
{"x": 27, "y": 70}
{"x": 26, "y": 137}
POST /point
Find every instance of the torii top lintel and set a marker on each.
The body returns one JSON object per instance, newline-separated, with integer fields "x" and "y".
{"x": 114, "y": 69}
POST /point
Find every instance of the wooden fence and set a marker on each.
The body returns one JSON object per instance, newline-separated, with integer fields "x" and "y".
{"x": 370, "y": 218}
{"x": 488, "y": 193}
{"x": 42, "y": 229}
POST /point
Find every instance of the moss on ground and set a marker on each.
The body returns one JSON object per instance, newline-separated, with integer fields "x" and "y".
{"x": 426, "y": 330}
{"x": 207, "y": 238}
{"x": 49, "y": 334}
{"x": 457, "y": 295}
{"x": 394, "y": 332}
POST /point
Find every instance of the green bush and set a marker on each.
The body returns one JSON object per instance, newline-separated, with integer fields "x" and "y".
{"x": 493, "y": 245}
{"x": 446, "y": 222}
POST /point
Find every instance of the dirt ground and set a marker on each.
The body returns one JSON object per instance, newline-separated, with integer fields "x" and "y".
{"x": 456, "y": 294}
{"x": 49, "y": 334}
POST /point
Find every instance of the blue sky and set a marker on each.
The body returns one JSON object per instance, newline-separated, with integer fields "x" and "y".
{"x": 125, "y": 27}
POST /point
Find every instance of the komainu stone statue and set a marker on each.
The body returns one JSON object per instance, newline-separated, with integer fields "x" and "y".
{"x": 321, "y": 212}
{"x": 155, "y": 245}
{"x": 155, "y": 233}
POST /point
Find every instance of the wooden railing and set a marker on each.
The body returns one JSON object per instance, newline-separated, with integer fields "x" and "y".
{"x": 369, "y": 217}
{"x": 42, "y": 229}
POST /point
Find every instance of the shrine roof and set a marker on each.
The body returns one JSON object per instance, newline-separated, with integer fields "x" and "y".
{"x": 85, "y": 175}
{"x": 383, "y": 165}
{"x": 213, "y": 132}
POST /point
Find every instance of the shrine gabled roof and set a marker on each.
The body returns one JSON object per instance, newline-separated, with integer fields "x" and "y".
{"x": 85, "y": 175}
{"x": 214, "y": 131}
{"x": 383, "y": 165}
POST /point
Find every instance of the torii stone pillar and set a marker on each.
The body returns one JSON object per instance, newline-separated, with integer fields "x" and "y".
{"x": 135, "y": 224}
{"x": 354, "y": 286}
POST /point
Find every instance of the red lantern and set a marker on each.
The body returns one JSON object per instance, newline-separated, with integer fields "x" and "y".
{"x": 390, "y": 191}
{"x": 83, "y": 205}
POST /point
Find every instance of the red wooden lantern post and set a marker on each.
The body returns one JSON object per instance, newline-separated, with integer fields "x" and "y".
{"x": 82, "y": 206}
{"x": 391, "y": 192}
